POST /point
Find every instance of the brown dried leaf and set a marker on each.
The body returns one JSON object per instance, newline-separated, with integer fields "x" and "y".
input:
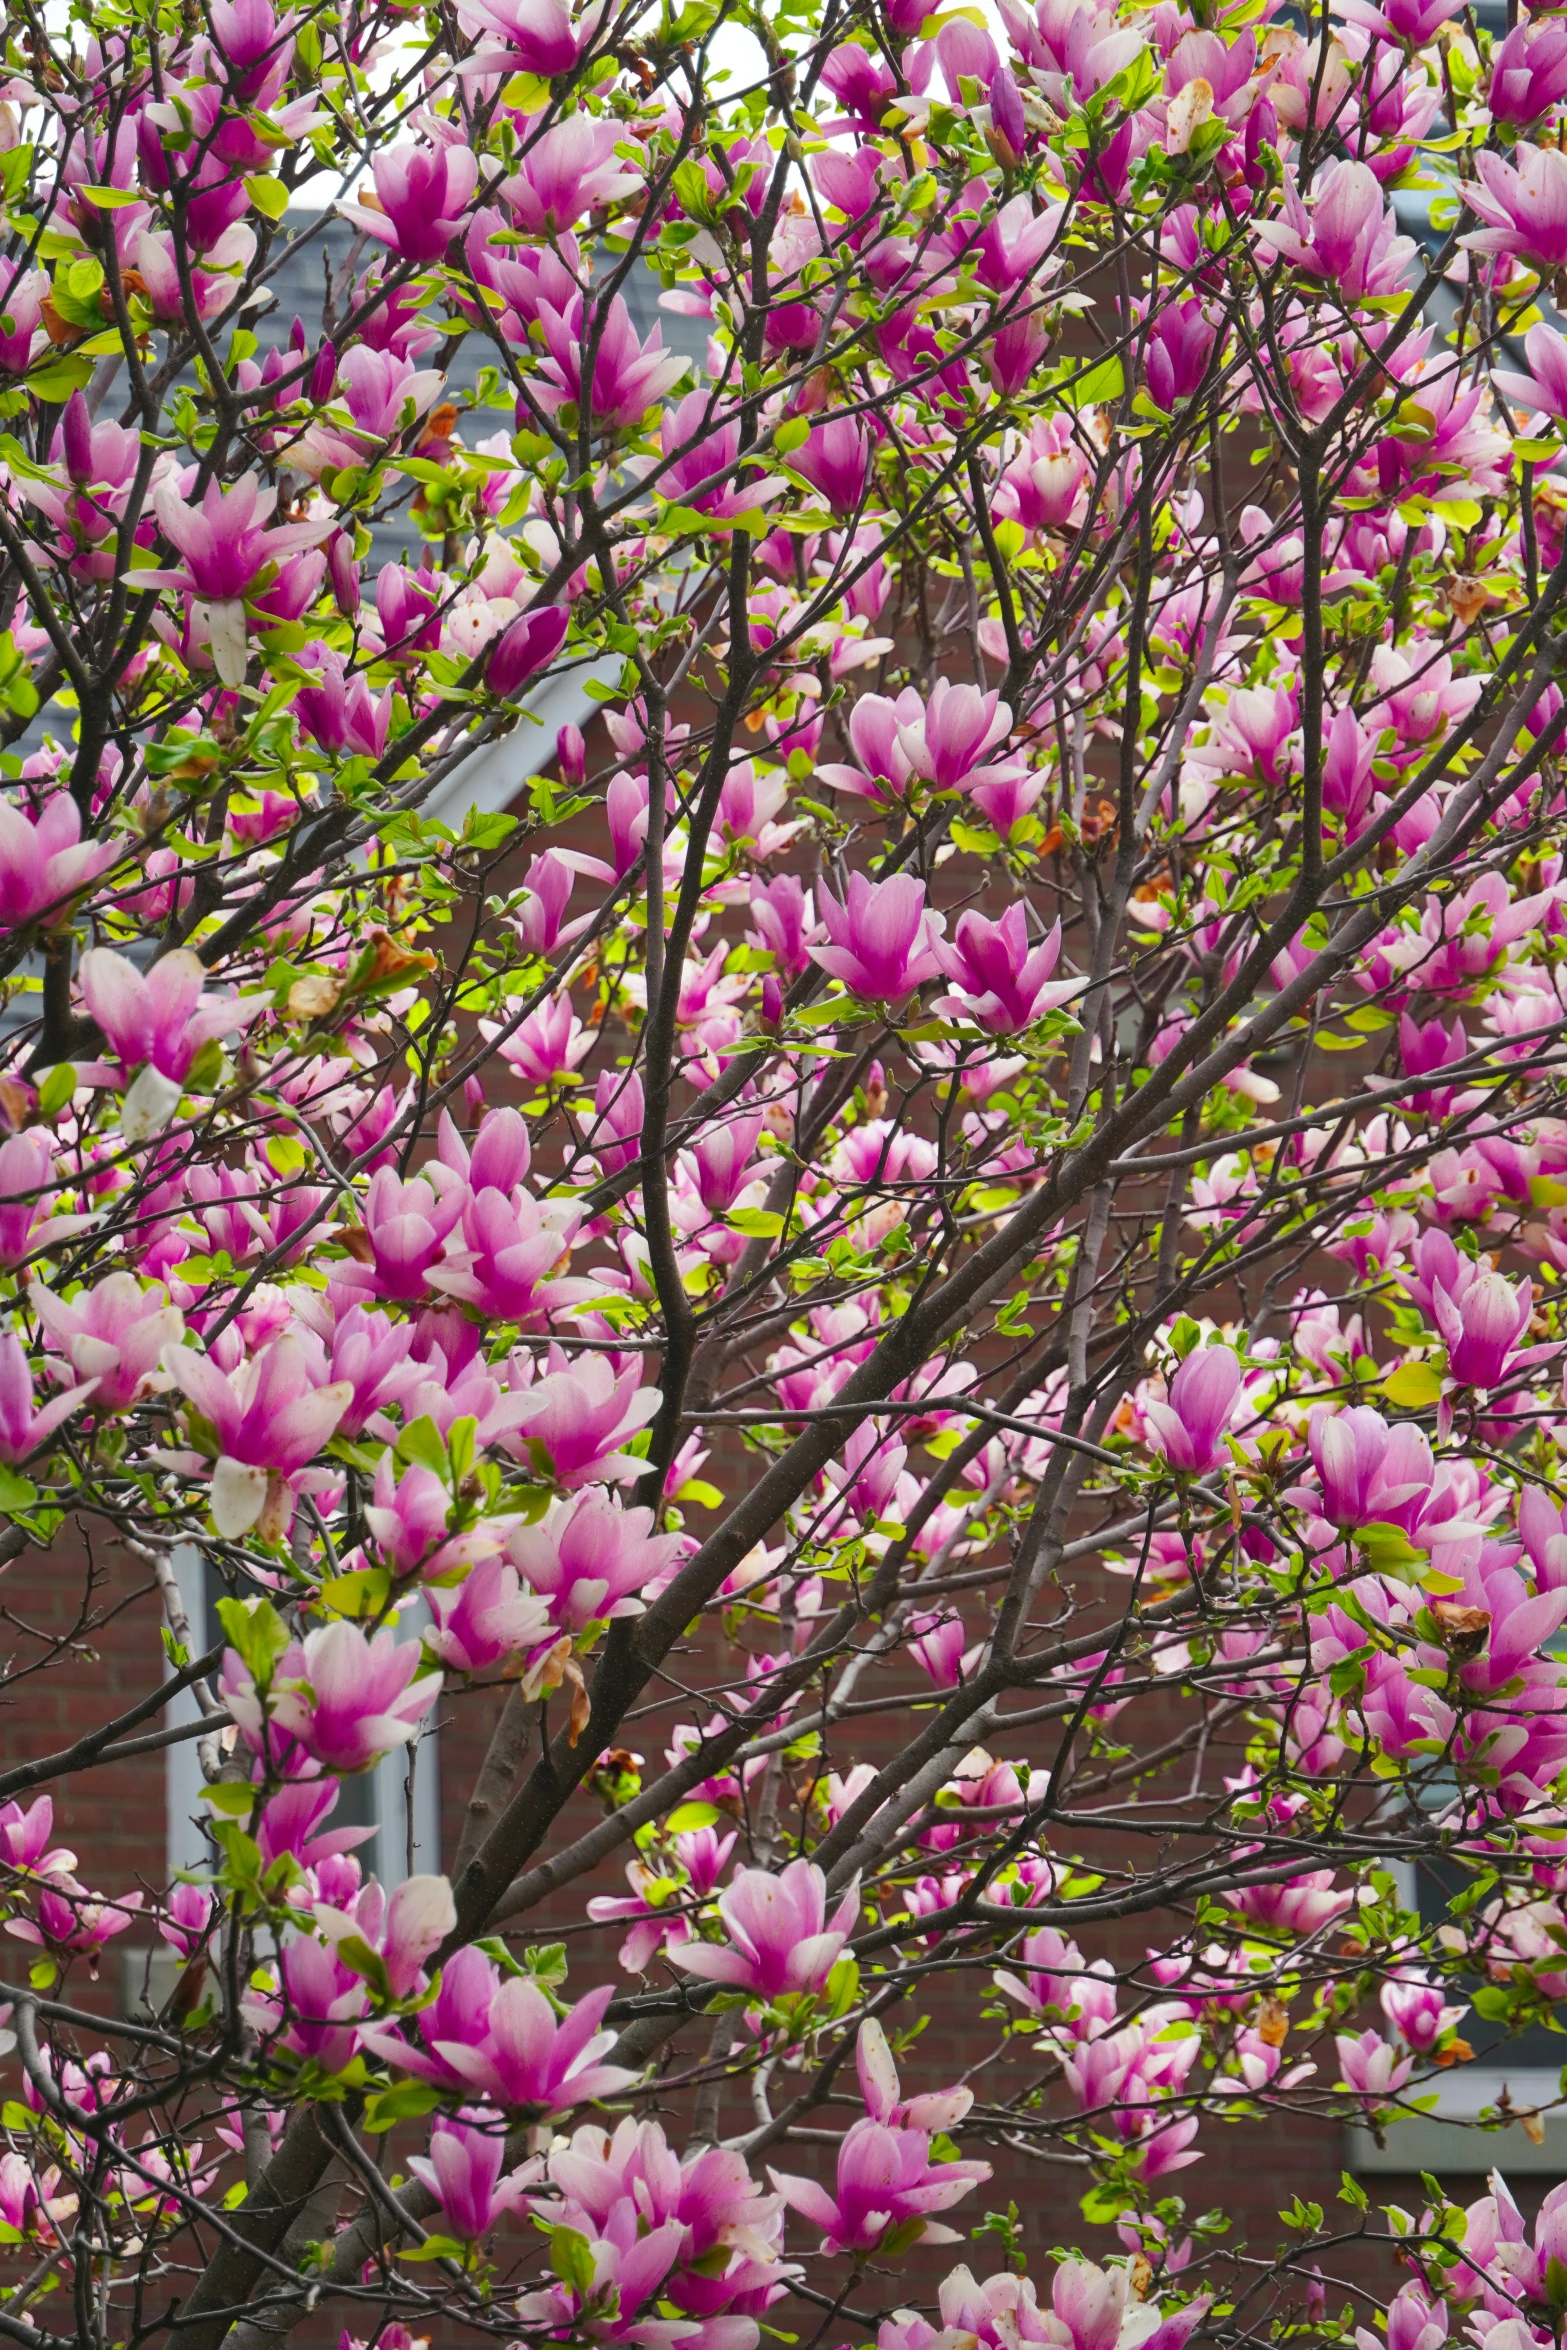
{"x": 1467, "y": 598}
{"x": 581, "y": 1710}
{"x": 1273, "y": 2023}
{"x": 313, "y": 997}
{"x": 1463, "y": 1630}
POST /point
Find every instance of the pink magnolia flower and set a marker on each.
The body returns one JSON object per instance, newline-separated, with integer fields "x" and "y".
{"x": 1041, "y": 488}
{"x": 74, "y": 1920}
{"x": 1186, "y": 1430}
{"x": 420, "y": 198}
{"x": 486, "y": 1620}
{"x": 1348, "y": 236}
{"x": 780, "y": 1938}
{"x": 341, "y": 713}
{"x": 186, "y": 1918}
{"x": 404, "y": 1930}
{"x": 1302, "y": 1905}
{"x": 724, "y": 1161}
{"x": 836, "y": 460}
{"x": 876, "y": 730}
{"x": 590, "y": 1559}
{"x": 500, "y": 1155}
{"x": 347, "y": 1700}
{"x": 886, "y": 2178}
{"x": 157, "y": 1024}
{"x": 540, "y": 923}
{"x": 612, "y": 1129}
{"x": 700, "y": 468}
{"x": 113, "y": 1334}
{"x": 407, "y": 1516}
{"x": 1528, "y": 76}
{"x": 545, "y": 1047}
{"x": 629, "y": 377}
{"x": 529, "y": 645}
{"x": 24, "y": 1839}
{"x": 26, "y": 1225}
{"x": 574, "y": 1421}
{"x": 290, "y": 1821}
{"x": 1483, "y": 1327}
{"x": 212, "y": 285}
{"x": 1468, "y": 933}
{"x": 1369, "y": 1472}
{"x": 937, "y": 1648}
{"x": 44, "y": 862}
{"x": 535, "y": 36}
{"x": 22, "y": 1429}
{"x": 1411, "y": 22}
{"x": 883, "y": 941}
{"x": 1437, "y": 1261}
{"x": 954, "y": 730}
{"x": 406, "y": 1227}
{"x": 1003, "y": 984}
{"x": 572, "y": 169}
{"x": 1175, "y": 360}
{"x": 226, "y": 548}
{"x": 1416, "y": 2010}
{"x": 523, "y": 2056}
{"x": 1371, "y": 2066}
{"x": 463, "y": 2173}
{"x": 370, "y": 1356}
{"x": 1524, "y": 204}
{"x": 1546, "y": 386}
{"x": 315, "y": 2014}
{"x": 267, "y": 1419}
{"x": 512, "y": 1245}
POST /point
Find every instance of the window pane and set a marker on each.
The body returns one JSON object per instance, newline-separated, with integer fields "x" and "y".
{"x": 1436, "y": 1882}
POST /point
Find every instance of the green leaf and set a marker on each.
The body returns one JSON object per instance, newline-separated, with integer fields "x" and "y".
{"x": 1412, "y": 1386}
{"x": 421, "y": 1442}
{"x": 235, "y": 1797}
{"x": 462, "y": 1449}
{"x": 59, "y": 377}
{"x": 404, "y": 2103}
{"x": 1388, "y": 1549}
{"x": 691, "y": 189}
{"x": 755, "y": 1223}
{"x": 257, "y": 1631}
{"x": 56, "y": 1089}
{"x": 792, "y": 434}
{"x": 363, "y": 1593}
{"x": 15, "y": 1491}
{"x": 685, "y": 522}
{"x": 356, "y": 1953}
{"x": 1098, "y": 388}
{"x": 571, "y": 2258}
{"x": 686, "y": 1816}
{"x": 268, "y": 195}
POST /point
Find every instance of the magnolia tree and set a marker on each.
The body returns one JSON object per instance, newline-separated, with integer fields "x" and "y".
{"x": 845, "y": 1313}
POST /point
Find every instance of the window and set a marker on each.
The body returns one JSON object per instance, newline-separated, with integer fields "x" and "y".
{"x": 1529, "y": 2065}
